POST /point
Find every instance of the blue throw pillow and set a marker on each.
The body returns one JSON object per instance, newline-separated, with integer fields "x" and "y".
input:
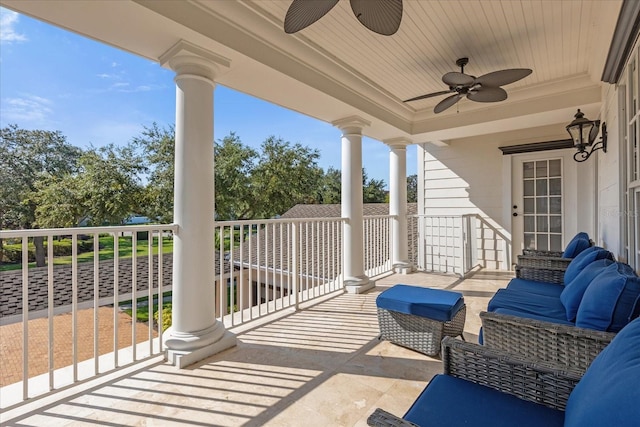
{"x": 573, "y": 291}
{"x": 609, "y": 301}
{"x": 575, "y": 246}
{"x": 608, "y": 393}
{"x": 583, "y": 259}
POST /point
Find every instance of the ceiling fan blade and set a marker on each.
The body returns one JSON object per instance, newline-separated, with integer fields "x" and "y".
{"x": 503, "y": 77}
{"x": 380, "y": 16}
{"x": 487, "y": 94}
{"x": 429, "y": 95}
{"x": 457, "y": 79}
{"x": 302, "y": 13}
{"x": 446, "y": 103}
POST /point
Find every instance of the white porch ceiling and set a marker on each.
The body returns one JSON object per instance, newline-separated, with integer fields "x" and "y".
{"x": 337, "y": 68}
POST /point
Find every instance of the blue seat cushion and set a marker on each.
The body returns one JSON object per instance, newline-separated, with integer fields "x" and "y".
{"x": 610, "y": 300}
{"x": 435, "y": 304}
{"x": 608, "y": 394}
{"x": 533, "y": 316}
{"x": 452, "y": 402}
{"x": 575, "y": 246}
{"x": 574, "y": 290}
{"x": 540, "y": 288}
{"x": 583, "y": 259}
{"x": 526, "y": 302}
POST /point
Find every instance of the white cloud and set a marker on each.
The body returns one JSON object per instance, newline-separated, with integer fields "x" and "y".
{"x": 8, "y": 21}
{"x": 29, "y": 109}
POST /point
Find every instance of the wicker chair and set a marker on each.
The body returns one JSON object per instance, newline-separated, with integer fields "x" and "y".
{"x": 487, "y": 387}
{"x": 563, "y": 345}
{"x": 538, "y": 382}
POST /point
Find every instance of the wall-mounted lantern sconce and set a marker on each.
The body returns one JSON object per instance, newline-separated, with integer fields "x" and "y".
{"x": 584, "y": 133}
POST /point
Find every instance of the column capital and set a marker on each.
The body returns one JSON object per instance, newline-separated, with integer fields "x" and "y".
{"x": 400, "y": 142}
{"x": 187, "y": 58}
{"x": 351, "y": 124}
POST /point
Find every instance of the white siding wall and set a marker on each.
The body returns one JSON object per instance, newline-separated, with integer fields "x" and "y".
{"x": 610, "y": 211}
{"x": 448, "y": 173}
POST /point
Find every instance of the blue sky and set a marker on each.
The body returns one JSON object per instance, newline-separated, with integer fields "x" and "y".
{"x": 94, "y": 94}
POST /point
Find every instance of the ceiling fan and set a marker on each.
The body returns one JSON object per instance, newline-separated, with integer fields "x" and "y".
{"x": 485, "y": 88}
{"x": 380, "y": 16}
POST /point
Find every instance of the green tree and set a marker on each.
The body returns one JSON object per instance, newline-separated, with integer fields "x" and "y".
{"x": 234, "y": 169}
{"x": 284, "y": 176}
{"x": 105, "y": 190}
{"x": 331, "y": 187}
{"x": 373, "y": 190}
{"x": 412, "y": 188}
{"x": 110, "y": 184}
{"x": 26, "y": 156}
{"x": 158, "y": 147}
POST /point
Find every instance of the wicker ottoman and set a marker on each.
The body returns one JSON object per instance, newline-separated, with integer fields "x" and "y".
{"x": 418, "y": 318}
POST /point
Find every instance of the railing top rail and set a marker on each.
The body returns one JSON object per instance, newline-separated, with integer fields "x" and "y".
{"x": 379, "y": 216}
{"x": 12, "y": 234}
{"x": 276, "y": 221}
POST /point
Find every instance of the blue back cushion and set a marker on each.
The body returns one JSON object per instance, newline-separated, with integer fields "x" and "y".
{"x": 609, "y": 393}
{"x": 610, "y": 299}
{"x": 573, "y": 291}
{"x": 583, "y": 259}
{"x": 575, "y": 246}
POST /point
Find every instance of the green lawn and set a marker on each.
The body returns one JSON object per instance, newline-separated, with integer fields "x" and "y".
{"x": 107, "y": 251}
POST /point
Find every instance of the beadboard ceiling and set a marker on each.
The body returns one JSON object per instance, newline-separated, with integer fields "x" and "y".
{"x": 336, "y": 68}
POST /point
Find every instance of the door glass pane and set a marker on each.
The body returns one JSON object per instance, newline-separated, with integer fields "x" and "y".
{"x": 542, "y": 206}
{"x": 555, "y": 224}
{"x": 542, "y": 223}
{"x": 555, "y": 186}
{"x": 527, "y": 170}
{"x": 555, "y": 168}
{"x": 541, "y": 187}
{"x": 528, "y": 188}
{"x": 555, "y": 205}
{"x": 529, "y": 223}
{"x": 555, "y": 242}
{"x": 542, "y": 242}
{"x": 529, "y": 206}
{"x": 541, "y": 169}
{"x": 530, "y": 241}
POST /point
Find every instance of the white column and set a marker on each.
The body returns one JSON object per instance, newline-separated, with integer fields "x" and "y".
{"x": 398, "y": 204}
{"x": 355, "y": 281}
{"x": 195, "y": 333}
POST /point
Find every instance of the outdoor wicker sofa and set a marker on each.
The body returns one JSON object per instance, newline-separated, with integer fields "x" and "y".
{"x": 566, "y": 323}
{"x": 564, "y": 345}
{"x": 482, "y": 386}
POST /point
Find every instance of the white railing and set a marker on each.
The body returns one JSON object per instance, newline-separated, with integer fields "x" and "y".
{"x": 82, "y": 287}
{"x": 456, "y": 244}
{"x": 268, "y": 265}
{"x": 377, "y": 244}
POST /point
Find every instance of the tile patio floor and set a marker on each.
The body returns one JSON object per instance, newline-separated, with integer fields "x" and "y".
{"x": 321, "y": 366}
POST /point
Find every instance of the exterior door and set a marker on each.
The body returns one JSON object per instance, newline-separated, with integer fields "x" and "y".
{"x": 544, "y": 201}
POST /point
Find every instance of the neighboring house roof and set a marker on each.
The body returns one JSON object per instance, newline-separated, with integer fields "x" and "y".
{"x": 319, "y": 249}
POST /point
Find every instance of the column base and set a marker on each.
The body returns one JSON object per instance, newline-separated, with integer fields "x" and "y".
{"x": 184, "y": 349}
{"x": 358, "y": 285}
{"x": 403, "y": 267}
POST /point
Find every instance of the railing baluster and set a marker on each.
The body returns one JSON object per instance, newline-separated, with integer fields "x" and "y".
{"x": 160, "y": 321}
{"x": 25, "y": 318}
{"x": 134, "y": 296}
{"x": 50, "y": 303}
{"x": 96, "y": 303}
{"x": 150, "y": 288}
{"x": 116, "y": 285}
{"x": 74, "y": 302}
